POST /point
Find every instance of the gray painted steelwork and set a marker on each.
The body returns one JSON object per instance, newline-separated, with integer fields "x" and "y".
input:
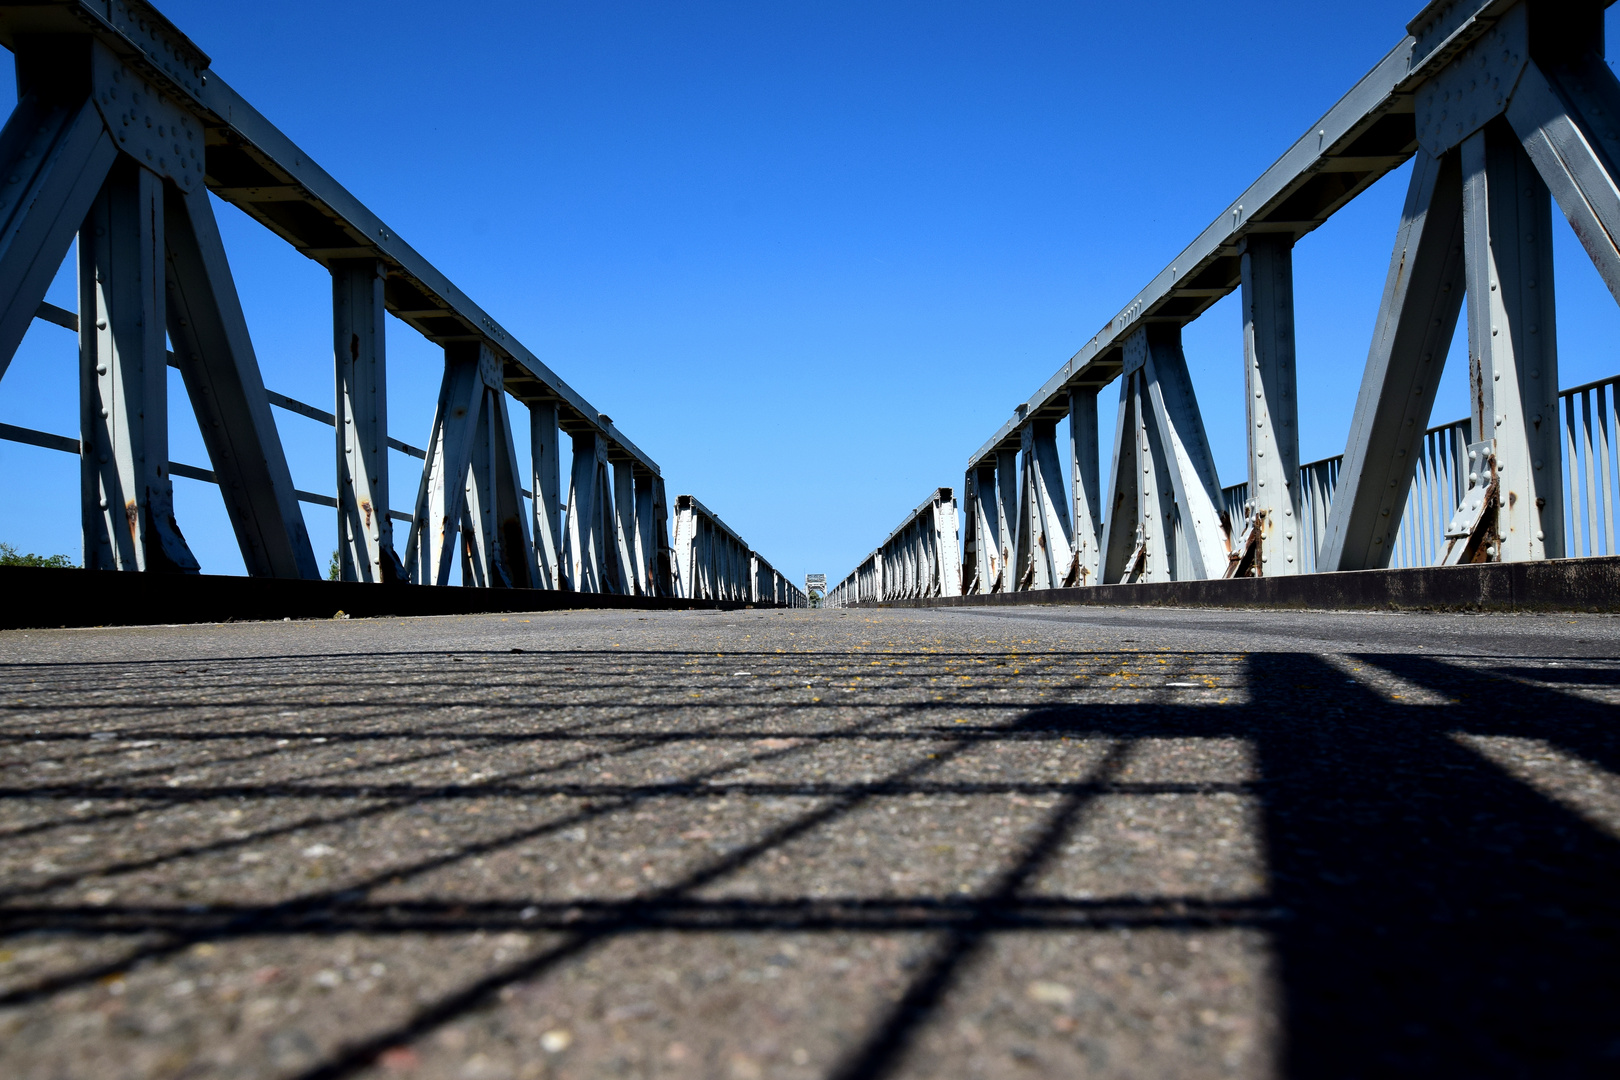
{"x": 1507, "y": 107}
{"x": 712, "y": 562}
{"x": 919, "y": 559}
{"x": 121, "y": 132}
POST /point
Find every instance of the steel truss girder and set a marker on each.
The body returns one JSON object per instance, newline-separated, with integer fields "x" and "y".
{"x": 365, "y": 531}
{"x": 919, "y": 559}
{"x": 470, "y": 481}
{"x": 97, "y": 82}
{"x": 711, "y": 561}
{"x": 644, "y": 554}
{"x": 1271, "y": 397}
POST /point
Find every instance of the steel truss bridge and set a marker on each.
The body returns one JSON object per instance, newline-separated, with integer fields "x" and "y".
{"x": 1505, "y": 108}
{"x": 121, "y": 132}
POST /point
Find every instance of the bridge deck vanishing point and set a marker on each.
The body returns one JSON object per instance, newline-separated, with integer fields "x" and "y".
{"x": 998, "y": 843}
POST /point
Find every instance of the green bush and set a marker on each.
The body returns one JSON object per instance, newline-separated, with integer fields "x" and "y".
{"x": 9, "y": 556}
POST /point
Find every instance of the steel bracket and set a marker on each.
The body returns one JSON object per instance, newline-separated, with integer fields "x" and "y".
{"x": 146, "y": 125}
{"x": 1471, "y": 536}
{"x": 1474, "y": 88}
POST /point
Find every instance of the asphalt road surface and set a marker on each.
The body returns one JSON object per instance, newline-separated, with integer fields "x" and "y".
{"x": 813, "y": 844}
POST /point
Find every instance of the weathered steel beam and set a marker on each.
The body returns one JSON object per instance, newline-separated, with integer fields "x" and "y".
{"x": 1512, "y": 339}
{"x": 1272, "y": 401}
{"x": 1564, "y": 117}
{"x": 127, "y": 496}
{"x": 365, "y": 531}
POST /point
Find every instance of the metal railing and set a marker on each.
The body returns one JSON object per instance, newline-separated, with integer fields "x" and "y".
{"x": 1591, "y": 472}
{"x": 920, "y": 559}
{"x": 1588, "y": 419}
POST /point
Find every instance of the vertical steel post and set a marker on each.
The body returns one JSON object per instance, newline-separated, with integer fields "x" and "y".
{"x": 645, "y": 552}
{"x": 624, "y": 524}
{"x": 1122, "y": 526}
{"x": 1271, "y": 396}
{"x": 663, "y": 556}
{"x": 1512, "y": 339}
{"x": 365, "y": 531}
{"x": 127, "y": 496}
{"x": 1083, "y": 463}
{"x": 1006, "y": 517}
{"x": 1155, "y": 493}
{"x": 684, "y": 553}
{"x": 593, "y": 564}
{"x": 980, "y": 529}
{"x": 546, "y": 466}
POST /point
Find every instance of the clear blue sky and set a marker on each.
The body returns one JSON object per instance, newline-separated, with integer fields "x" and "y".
{"x": 808, "y": 256}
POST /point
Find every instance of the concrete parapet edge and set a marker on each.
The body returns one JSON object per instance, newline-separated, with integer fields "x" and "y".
{"x": 37, "y": 598}
{"x": 1591, "y": 584}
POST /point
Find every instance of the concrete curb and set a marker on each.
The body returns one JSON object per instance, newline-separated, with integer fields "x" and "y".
{"x": 1591, "y": 584}
{"x": 37, "y": 597}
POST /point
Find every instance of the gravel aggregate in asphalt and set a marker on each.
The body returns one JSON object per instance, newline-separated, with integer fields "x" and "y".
{"x": 1038, "y": 842}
